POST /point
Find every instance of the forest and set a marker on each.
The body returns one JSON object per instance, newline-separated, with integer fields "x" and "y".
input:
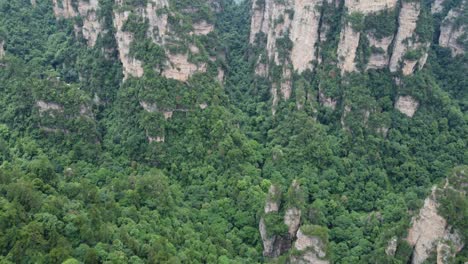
{"x": 99, "y": 166}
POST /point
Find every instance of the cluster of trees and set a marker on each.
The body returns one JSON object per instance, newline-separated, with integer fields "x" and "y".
{"x": 83, "y": 183}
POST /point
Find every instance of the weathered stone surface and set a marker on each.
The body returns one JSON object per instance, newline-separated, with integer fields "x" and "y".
{"x": 180, "y": 68}
{"x": 305, "y": 33}
{"x": 427, "y": 228}
{"x": 2, "y": 49}
{"x": 272, "y": 203}
{"x": 407, "y": 105}
{"x": 131, "y": 66}
{"x": 392, "y": 246}
{"x": 404, "y": 40}
{"x": 450, "y": 32}
{"x": 87, "y": 10}
{"x": 379, "y": 60}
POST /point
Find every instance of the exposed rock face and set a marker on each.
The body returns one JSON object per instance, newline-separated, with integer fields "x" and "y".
{"x": 92, "y": 27}
{"x": 392, "y": 246}
{"x": 450, "y": 31}
{"x": 407, "y": 105}
{"x": 2, "y": 51}
{"x": 290, "y": 20}
{"x": 404, "y": 42}
{"x": 272, "y": 203}
{"x": 429, "y": 232}
{"x": 304, "y": 33}
{"x": 312, "y": 249}
{"x": 349, "y": 38}
{"x": 379, "y": 60}
{"x": 349, "y": 41}
{"x": 369, "y": 6}
{"x": 437, "y": 6}
{"x": 273, "y": 245}
{"x": 180, "y": 68}
{"x": 292, "y": 218}
{"x": 66, "y": 11}
{"x": 131, "y": 66}
{"x": 202, "y": 28}
{"x": 327, "y": 101}
{"x": 48, "y": 106}
{"x": 149, "y": 107}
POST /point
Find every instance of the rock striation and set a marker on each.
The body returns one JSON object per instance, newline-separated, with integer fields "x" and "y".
{"x": 406, "y": 41}
{"x": 349, "y": 36}
{"x": 407, "y": 105}
{"x": 429, "y": 233}
{"x": 2, "y": 49}
{"x": 310, "y": 248}
{"x": 452, "y": 32}
{"x": 87, "y": 10}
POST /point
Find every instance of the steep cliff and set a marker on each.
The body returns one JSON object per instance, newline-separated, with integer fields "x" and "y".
{"x": 350, "y": 34}
{"x": 453, "y": 30}
{"x": 134, "y": 25}
{"x": 406, "y": 41}
{"x": 308, "y": 242}
{"x": 87, "y": 10}
{"x": 2, "y": 49}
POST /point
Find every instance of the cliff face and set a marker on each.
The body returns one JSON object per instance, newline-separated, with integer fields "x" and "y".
{"x": 2, "y": 50}
{"x": 87, "y": 10}
{"x": 154, "y": 16}
{"x": 290, "y": 32}
{"x": 310, "y": 248}
{"x": 405, "y": 40}
{"x": 452, "y": 31}
{"x": 429, "y": 233}
{"x": 349, "y": 38}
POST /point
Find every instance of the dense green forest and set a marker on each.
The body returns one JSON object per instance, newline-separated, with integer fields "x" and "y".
{"x": 87, "y": 175}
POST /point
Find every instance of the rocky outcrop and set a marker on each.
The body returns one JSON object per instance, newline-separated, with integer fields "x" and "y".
{"x": 272, "y": 203}
{"x": 2, "y": 50}
{"x": 369, "y": 6}
{"x": 48, "y": 107}
{"x": 379, "y": 60}
{"x": 305, "y": 33}
{"x": 202, "y": 28}
{"x": 437, "y": 6}
{"x": 311, "y": 249}
{"x": 407, "y": 105}
{"x": 429, "y": 233}
{"x": 349, "y": 41}
{"x": 87, "y": 10}
{"x": 131, "y": 66}
{"x": 392, "y": 246}
{"x": 180, "y": 68}
{"x": 281, "y": 22}
{"x": 349, "y": 37}
{"x": 406, "y": 41}
{"x": 451, "y": 31}
{"x": 327, "y": 101}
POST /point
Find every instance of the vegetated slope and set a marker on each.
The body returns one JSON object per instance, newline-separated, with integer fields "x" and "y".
{"x": 152, "y": 131}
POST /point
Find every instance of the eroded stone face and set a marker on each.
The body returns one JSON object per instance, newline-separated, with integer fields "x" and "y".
{"x": 305, "y": 242}
{"x": 272, "y": 205}
{"x": 407, "y": 20}
{"x": 428, "y": 227}
{"x": 87, "y": 10}
{"x": 180, "y": 68}
{"x": 305, "y": 33}
{"x": 2, "y": 50}
{"x": 449, "y": 32}
{"x": 407, "y": 105}
{"x": 379, "y": 60}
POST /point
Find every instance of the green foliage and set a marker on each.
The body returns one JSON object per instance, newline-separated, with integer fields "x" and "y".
{"x": 81, "y": 182}
{"x": 356, "y": 20}
{"x": 382, "y": 24}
